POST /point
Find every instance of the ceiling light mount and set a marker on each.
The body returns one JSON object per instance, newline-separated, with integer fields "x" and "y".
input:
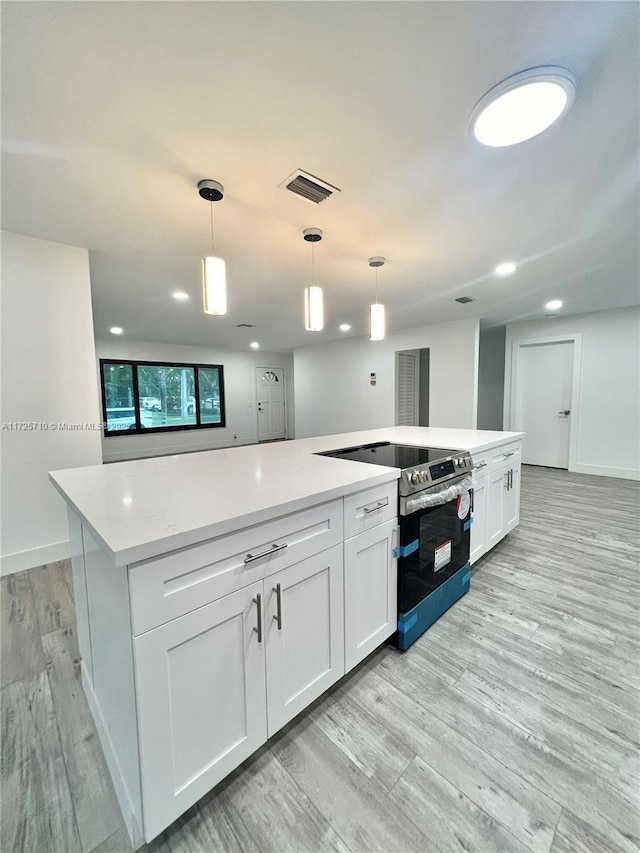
{"x": 312, "y": 235}
{"x": 522, "y": 106}
{"x": 211, "y": 190}
{"x": 377, "y": 261}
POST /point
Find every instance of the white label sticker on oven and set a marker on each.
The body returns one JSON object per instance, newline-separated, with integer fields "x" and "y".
{"x": 443, "y": 555}
{"x": 464, "y": 504}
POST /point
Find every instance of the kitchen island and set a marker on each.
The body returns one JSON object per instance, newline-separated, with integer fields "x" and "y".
{"x": 220, "y": 593}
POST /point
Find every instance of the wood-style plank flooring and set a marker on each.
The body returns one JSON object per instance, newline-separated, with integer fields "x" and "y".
{"x": 512, "y": 725}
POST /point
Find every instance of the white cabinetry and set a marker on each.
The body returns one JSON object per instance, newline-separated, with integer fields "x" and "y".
{"x": 201, "y": 700}
{"x": 370, "y": 591}
{"x": 496, "y": 499}
{"x": 304, "y": 634}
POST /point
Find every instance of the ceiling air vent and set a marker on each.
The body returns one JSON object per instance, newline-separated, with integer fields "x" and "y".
{"x": 308, "y": 186}
{"x": 463, "y": 300}
{"x": 245, "y": 326}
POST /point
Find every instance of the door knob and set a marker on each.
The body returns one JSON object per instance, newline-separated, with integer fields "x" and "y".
{"x": 565, "y": 412}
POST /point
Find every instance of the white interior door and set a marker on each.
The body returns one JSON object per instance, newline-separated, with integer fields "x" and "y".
{"x": 271, "y": 403}
{"x": 543, "y": 402}
{"x": 406, "y": 383}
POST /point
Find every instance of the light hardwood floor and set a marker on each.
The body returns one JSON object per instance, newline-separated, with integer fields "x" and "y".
{"x": 512, "y": 725}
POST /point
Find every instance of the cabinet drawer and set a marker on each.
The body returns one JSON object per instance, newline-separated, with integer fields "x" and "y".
{"x": 371, "y": 507}
{"x": 169, "y": 586}
{"x": 507, "y": 455}
{"x": 498, "y": 457}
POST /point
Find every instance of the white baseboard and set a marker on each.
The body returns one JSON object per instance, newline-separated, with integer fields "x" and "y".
{"x": 21, "y": 560}
{"x": 603, "y": 471}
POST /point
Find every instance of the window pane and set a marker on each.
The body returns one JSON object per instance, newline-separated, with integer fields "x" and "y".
{"x": 167, "y": 396}
{"x": 209, "y": 382}
{"x": 118, "y": 392}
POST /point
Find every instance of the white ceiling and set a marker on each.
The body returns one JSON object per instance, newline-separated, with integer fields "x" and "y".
{"x": 113, "y": 111}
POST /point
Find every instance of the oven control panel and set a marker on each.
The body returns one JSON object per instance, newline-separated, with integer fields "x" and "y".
{"x": 443, "y": 469}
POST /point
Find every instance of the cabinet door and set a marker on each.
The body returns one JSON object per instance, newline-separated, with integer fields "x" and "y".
{"x": 370, "y": 591}
{"x": 201, "y": 702}
{"x": 512, "y": 499}
{"x": 478, "y": 531}
{"x": 495, "y": 506}
{"x": 305, "y": 645}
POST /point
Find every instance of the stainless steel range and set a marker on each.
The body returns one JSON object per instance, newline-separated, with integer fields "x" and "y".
{"x": 435, "y": 508}
{"x": 421, "y": 467}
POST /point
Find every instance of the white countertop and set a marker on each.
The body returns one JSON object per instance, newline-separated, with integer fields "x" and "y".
{"x": 146, "y": 507}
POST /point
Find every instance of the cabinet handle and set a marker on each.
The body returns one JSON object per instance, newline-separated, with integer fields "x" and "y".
{"x": 506, "y": 481}
{"x": 479, "y": 465}
{"x": 278, "y": 617}
{"x": 472, "y": 492}
{"x": 251, "y": 557}
{"x": 511, "y": 478}
{"x": 507, "y": 455}
{"x": 258, "y": 602}
{"x": 379, "y": 505}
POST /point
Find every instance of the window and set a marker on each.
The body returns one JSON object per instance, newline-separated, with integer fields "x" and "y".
{"x": 140, "y": 397}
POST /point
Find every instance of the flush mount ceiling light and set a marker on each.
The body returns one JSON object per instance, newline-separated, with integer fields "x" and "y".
{"x": 508, "y": 268}
{"x": 116, "y": 330}
{"x": 523, "y": 106}
{"x": 180, "y": 295}
{"x": 553, "y": 305}
{"x": 377, "y": 323}
{"x": 345, "y": 327}
{"x": 214, "y": 276}
{"x": 313, "y": 299}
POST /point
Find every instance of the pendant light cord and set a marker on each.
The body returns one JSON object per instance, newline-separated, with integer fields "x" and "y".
{"x": 376, "y": 285}
{"x": 313, "y": 264}
{"x": 211, "y": 208}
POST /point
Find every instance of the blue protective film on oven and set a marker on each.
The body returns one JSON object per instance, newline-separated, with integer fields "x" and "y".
{"x": 405, "y": 550}
{"x": 415, "y": 622}
{"x": 467, "y": 524}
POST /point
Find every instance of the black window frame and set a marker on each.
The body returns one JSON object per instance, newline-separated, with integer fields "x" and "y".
{"x": 139, "y": 429}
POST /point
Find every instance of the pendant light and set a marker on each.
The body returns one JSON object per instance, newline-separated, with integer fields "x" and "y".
{"x": 313, "y": 297}
{"x": 377, "y": 321}
{"x": 214, "y": 277}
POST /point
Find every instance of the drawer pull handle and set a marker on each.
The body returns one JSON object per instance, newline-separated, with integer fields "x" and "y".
{"x": 376, "y": 507}
{"x": 258, "y": 602}
{"x": 479, "y": 465}
{"x": 278, "y": 617}
{"x": 507, "y": 455}
{"x": 251, "y": 557}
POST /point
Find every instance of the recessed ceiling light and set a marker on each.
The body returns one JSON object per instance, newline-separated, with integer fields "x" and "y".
{"x": 345, "y": 327}
{"x": 523, "y": 106}
{"x": 553, "y": 305}
{"x": 505, "y": 269}
{"x": 180, "y": 295}
{"x": 254, "y": 345}
{"x": 116, "y": 330}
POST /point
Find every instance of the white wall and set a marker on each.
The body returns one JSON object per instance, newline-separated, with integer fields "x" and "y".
{"x": 608, "y": 428}
{"x": 48, "y": 375}
{"x": 239, "y": 390}
{"x": 333, "y": 393}
{"x": 491, "y": 378}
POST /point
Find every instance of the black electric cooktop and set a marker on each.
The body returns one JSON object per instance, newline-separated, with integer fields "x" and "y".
{"x": 392, "y": 455}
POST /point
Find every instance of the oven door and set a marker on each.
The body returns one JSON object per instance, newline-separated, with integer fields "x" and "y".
{"x": 434, "y": 539}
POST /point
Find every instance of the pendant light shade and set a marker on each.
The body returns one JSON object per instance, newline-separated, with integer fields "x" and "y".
{"x": 377, "y": 321}
{"x": 214, "y": 275}
{"x": 313, "y": 296}
{"x": 313, "y": 309}
{"x": 214, "y": 286}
